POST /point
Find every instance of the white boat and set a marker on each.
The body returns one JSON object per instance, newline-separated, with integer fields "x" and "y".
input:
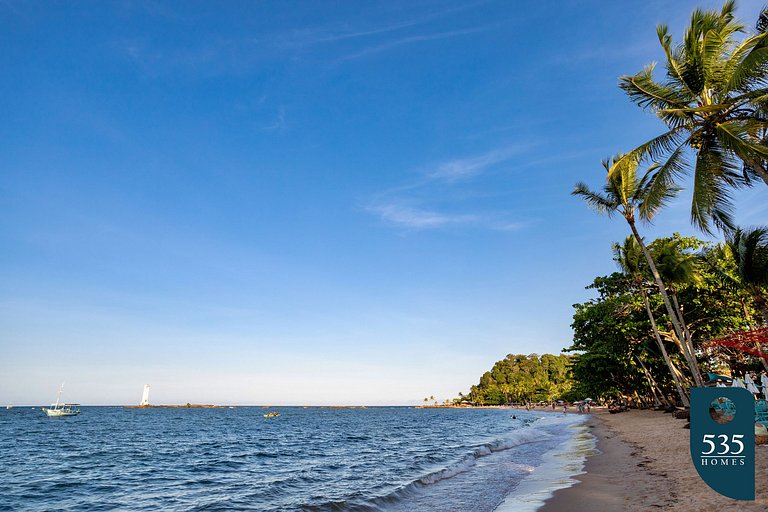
{"x": 8, "y": 407}
{"x": 59, "y": 410}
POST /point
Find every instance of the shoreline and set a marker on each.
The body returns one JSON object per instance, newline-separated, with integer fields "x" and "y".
{"x": 643, "y": 463}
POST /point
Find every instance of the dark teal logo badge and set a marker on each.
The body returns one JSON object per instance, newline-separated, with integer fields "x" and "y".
{"x": 723, "y": 440}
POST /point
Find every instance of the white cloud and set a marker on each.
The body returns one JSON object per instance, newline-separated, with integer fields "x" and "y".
{"x": 407, "y": 205}
{"x": 415, "y": 218}
{"x": 416, "y": 39}
{"x": 465, "y": 167}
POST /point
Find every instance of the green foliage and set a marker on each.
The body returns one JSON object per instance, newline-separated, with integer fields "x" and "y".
{"x": 520, "y": 378}
{"x": 607, "y": 334}
{"x": 612, "y": 331}
{"x": 713, "y": 101}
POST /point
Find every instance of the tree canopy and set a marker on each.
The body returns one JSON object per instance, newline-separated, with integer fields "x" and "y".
{"x": 521, "y": 378}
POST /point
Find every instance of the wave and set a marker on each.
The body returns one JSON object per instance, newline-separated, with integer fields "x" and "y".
{"x": 531, "y": 432}
{"x": 525, "y": 435}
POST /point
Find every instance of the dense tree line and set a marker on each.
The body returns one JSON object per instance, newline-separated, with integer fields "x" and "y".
{"x": 624, "y": 343}
{"x": 521, "y": 378}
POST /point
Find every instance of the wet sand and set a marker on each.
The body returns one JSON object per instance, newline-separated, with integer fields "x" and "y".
{"x": 644, "y": 464}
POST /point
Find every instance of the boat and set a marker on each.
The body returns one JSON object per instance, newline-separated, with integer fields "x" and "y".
{"x": 59, "y": 410}
{"x": 8, "y": 407}
{"x": 273, "y": 414}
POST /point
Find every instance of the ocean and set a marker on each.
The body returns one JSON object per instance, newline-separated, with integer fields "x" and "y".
{"x": 308, "y": 459}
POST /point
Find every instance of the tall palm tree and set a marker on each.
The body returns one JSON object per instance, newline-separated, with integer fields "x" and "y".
{"x": 630, "y": 195}
{"x": 749, "y": 249}
{"x": 714, "y": 102}
{"x": 627, "y": 256}
{"x": 677, "y": 268}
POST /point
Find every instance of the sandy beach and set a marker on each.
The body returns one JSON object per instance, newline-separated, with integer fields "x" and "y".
{"x": 644, "y": 464}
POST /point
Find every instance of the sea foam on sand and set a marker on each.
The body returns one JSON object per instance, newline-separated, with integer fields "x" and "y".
{"x": 556, "y": 471}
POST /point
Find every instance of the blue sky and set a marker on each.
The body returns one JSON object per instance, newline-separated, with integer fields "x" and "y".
{"x": 306, "y": 202}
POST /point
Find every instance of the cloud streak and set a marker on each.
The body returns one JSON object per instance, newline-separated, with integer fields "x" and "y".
{"x": 401, "y": 207}
{"x": 461, "y": 168}
{"x": 417, "y": 39}
{"x": 310, "y": 37}
{"x": 415, "y": 218}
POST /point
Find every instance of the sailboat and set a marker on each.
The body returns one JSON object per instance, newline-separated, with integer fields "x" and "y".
{"x": 59, "y": 410}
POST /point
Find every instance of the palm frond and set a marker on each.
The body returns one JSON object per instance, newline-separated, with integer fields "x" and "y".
{"x": 655, "y": 192}
{"x": 601, "y": 204}
{"x": 643, "y": 90}
{"x": 656, "y": 148}
{"x": 738, "y": 138}
{"x": 750, "y": 58}
{"x": 711, "y": 199}
{"x": 762, "y": 21}
{"x": 676, "y": 69}
{"x": 749, "y": 248}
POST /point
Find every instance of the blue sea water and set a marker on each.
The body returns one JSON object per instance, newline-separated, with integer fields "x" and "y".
{"x": 309, "y": 459}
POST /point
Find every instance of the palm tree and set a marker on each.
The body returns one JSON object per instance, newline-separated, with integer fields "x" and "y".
{"x": 630, "y": 195}
{"x": 677, "y": 268}
{"x": 627, "y": 256}
{"x": 749, "y": 249}
{"x": 714, "y": 102}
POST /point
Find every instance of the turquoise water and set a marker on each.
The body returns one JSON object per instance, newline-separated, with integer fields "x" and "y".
{"x": 308, "y": 459}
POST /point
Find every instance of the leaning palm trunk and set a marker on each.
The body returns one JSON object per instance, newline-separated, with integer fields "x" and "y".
{"x": 697, "y": 380}
{"x": 658, "y": 394}
{"x": 670, "y": 365}
{"x": 688, "y": 340}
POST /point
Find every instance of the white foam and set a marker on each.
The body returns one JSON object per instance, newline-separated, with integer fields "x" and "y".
{"x": 461, "y": 467}
{"x": 557, "y": 471}
{"x": 528, "y": 434}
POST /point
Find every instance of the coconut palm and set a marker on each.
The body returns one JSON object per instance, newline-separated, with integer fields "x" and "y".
{"x": 749, "y": 249}
{"x": 714, "y": 102}
{"x": 630, "y": 195}
{"x": 627, "y": 256}
{"x": 678, "y": 268}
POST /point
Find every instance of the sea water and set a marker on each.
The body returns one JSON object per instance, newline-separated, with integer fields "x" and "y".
{"x": 308, "y": 459}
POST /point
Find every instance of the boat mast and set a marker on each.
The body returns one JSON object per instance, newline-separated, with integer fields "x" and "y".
{"x": 58, "y": 397}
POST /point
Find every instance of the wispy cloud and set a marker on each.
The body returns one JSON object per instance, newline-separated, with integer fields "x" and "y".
{"x": 407, "y": 216}
{"x": 220, "y": 53}
{"x": 414, "y": 218}
{"x": 278, "y": 124}
{"x": 417, "y": 39}
{"x": 460, "y": 168}
{"x": 318, "y": 35}
{"x": 407, "y": 206}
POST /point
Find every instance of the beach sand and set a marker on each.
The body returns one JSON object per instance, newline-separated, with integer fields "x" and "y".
{"x": 645, "y": 464}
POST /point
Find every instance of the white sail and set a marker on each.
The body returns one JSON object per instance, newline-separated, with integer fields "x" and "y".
{"x": 145, "y": 397}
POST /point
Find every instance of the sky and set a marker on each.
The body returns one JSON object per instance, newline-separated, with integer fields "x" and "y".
{"x": 308, "y": 202}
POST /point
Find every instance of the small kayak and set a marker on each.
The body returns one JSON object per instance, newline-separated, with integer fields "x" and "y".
{"x": 272, "y": 415}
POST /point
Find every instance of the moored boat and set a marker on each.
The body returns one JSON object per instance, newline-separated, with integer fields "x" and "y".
{"x": 59, "y": 410}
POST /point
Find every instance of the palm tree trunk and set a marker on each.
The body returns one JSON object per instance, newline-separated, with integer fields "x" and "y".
{"x": 688, "y": 341}
{"x": 675, "y": 379}
{"x": 670, "y": 311}
{"x": 658, "y": 394}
